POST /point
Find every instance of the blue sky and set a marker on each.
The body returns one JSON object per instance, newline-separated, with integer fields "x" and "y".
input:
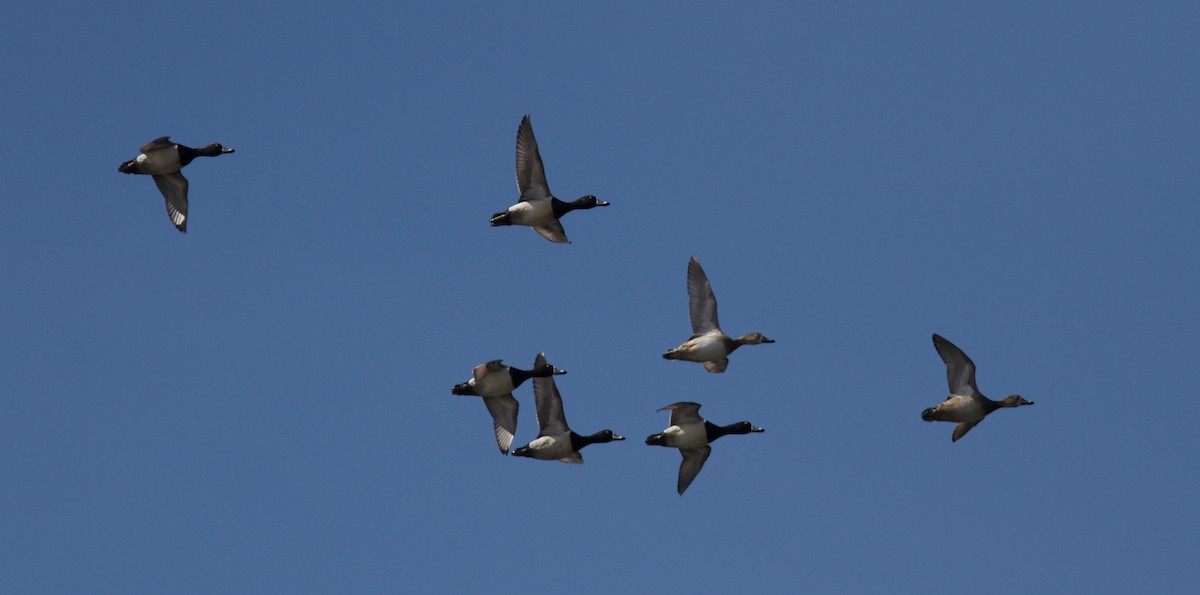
{"x": 262, "y": 405}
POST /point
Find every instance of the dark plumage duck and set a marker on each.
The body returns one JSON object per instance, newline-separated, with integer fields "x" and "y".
{"x": 537, "y": 207}
{"x": 691, "y": 434}
{"x": 556, "y": 441}
{"x": 163, "y": 160}
{"x": 495, "y": 382}
{"x": 708, "y": 344}
{"x": 965, "y": 406}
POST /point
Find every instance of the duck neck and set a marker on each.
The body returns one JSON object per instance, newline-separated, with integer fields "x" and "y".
{"x": 1009, "y": 401}
{"x": 578, "y": 441}
{"x": 561, "y": 207}
{"x": 713, "y": 431}
{"x": 601, "y": 437}
{"x": 187, "y": 154}
{"x": 518, "y": 375}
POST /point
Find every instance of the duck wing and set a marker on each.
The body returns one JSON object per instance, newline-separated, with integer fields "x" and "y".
{"x": 531, "y": 177}
{"x": 960, "y": 370}
{"x": 684, "y": 412}
{"x": 174, "y": 188}
{"x": 553, "y": 231}
{"x": 551, "y": 419}
{"x": 689, "y": 468}
{"x": 961, "y": 429}
{"x": 161, "y": 142}
{"x": 702, "y": 304}
{"x": 504, "y": 419}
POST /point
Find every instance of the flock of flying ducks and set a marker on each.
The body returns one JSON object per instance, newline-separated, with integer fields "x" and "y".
{"x": 495, "y": 382}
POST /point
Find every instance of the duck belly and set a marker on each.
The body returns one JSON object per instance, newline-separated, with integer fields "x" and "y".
{"x": 688, "y": 436}
{"x": 531, "y": 213}
{"x": 960, "y": 408}
{"x": 705, "y": 348}
{"x": 493, "y": 385}
{"x": 159, "y": 162}
{"x": 551, "y": 448}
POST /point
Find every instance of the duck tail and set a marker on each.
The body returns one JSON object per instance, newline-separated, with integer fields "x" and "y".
{"x": 501, "y": 219}
{"x": 656, "y": 440}
{"x": 927, "y": 414}
{"x": 463, "y": 389}
{"x": 670, "y": 354}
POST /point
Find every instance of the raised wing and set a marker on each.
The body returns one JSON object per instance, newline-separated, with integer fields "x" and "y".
{"x": 504, "y": 419}
{"x": 551, "y": 420}
{"x": 684, "y": 412}
{"x": 174, "y": 188}
{"x": 702, "y": 304}
{"x": 693, "y": 461}
{"x": 531, "y": 178}
{"x": 158, "y": 143}
{"x": 960, "y": 370}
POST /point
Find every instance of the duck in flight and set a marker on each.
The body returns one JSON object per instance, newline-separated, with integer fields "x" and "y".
{"x": 537, "y": 207}
{"x": 691, "y": 434}
{"x": 495, "y": 382}
{"x": 708, "y": 344}
{"x": 965, "y": 406}
{"x": 163, "y": 160}
{"x": 556, "y": 441}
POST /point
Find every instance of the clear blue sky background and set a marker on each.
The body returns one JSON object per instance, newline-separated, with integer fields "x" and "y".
{"x": 262, "y": 405}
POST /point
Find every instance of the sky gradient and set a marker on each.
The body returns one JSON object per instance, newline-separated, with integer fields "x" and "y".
{"x": 262, "y": 405}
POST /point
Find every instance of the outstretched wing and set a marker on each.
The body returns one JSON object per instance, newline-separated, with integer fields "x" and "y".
{"x": 531, "y": 178}
{"x": 553, "y": 231}
{"x": 961, "y": 429}
{"x": 504, "y": 419}
{"x": 960, "y": 370}
{"x": 693, "y": 461}
{"x": 551, "y": 419}
{"x": 684, "y": 412}
{"x": 702, "y": 304}
{"x": 174, "y": 188}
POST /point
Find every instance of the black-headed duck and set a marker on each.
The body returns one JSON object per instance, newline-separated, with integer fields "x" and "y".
{"x": 163, "y": 160}
{"x": 556, "y": 441}
{"x": 495, "y": 382}
{"x": 691, "y": 434}
{"x": 537, "y": 207}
